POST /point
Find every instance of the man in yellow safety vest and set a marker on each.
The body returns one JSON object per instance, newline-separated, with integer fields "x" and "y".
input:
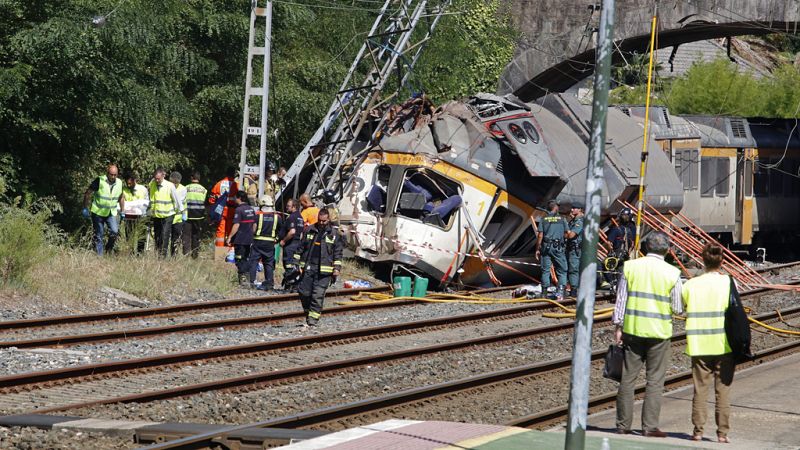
{"x": 195, "y": 213}
{"x": 176, "y": 235}
{"x": 102, "y": 201}
{"x": 137, "y": 199}
{"x": 648, "y": 293}
{"x": 164, "y": 206}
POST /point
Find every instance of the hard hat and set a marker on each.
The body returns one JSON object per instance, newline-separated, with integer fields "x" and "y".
{"x": 271, "y": 166}
{"x": 577, "y": 205}
{"x": 266, "y": 200}
{"x": 625, "y": 211}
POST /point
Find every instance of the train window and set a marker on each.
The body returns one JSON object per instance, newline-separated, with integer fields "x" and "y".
{"x": 500, "y": 227}
{"x": 376, "y": 197}
{"x": 723, "y": 180}
{"x": 707, "y": 176}
{"x": 531, "y": 130}
{"x": 430, "y": 197}
{"x": 524, "y": 245}
{"x": 748, "y": 177}
{"x": 686, "y": 168}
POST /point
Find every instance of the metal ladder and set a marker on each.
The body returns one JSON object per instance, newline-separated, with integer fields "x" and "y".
{"x": 251, "y": 91}
{"x": 391, "y": 39}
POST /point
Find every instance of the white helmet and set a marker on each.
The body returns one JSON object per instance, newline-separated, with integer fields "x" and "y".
{"x": 266, "y": 200}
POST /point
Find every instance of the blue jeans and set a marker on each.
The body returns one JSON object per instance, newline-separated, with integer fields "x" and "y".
{"x": 99, "y": 224}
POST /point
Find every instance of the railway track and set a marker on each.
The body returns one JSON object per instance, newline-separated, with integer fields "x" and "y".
{"x": 258, "y": 358}
{"x": 119, "y": 325}
{"x": 208, "y": 370}
{"x": 463, "y": 395}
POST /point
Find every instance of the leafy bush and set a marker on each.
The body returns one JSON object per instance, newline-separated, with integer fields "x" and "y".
{"x": 26, "y": 238}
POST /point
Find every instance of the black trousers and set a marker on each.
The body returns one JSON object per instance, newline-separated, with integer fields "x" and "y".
{"x": 176, "y": 239}
{"x": 242, "y": 257}
{"x": 288, "y": 255}
{"x": 312, "y": 291}
{"x": 192, "y": 229}
{"x": 162, "y": 228}
{"x": 265, "y": 251}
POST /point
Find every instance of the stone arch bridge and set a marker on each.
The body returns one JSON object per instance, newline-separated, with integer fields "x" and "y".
{"x": 557, "y": 49}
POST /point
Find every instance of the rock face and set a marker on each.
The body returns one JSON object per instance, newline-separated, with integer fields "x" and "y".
{"x": 556, "y": 49}
{"x": 123, "y": 297}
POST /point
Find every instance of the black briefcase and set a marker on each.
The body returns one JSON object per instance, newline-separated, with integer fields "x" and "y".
{"x": 614, "y": 359}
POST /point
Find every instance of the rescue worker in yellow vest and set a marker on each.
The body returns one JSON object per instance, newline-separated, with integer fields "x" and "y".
{"x": 250, "y": 185}
{"x": 268, "y": 224}
{"x": 320, "y": 259}
{"x": 164, "y": 205}
{"x": 137, "y": 199}
{"x": 706, "y": 298}
{"x": 102, "y": 201}
{"x": 648, "y": 294}
{"x": 176, "y": 235}
{"x": 195, "y": 213}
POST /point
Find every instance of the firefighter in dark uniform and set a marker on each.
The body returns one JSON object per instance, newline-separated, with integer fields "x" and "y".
{"x": 574, "y": 239}
{"x": 550, "y": 248}
{"x": 268, "y": 224}
{"x": 290, "y": 243}
{"x": 321, "y": 261}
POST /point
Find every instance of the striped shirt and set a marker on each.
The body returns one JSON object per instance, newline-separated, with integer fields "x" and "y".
{"x": 622, "y": 296}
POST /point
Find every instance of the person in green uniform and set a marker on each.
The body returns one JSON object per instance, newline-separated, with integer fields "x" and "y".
{"x": 574, "y": 239}
{"x": 550, "y": 247}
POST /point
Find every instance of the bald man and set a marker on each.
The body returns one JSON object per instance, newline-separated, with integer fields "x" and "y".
{"x": 103, "y": 201}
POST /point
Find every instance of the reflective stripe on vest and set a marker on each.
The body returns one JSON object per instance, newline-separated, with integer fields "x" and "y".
{"x": 706, "y": 298}
{"x": 106, "y": 197}
{"x": 181, "y": 191}
{"x": 648, "y": 312}
{"x": 272, "y": 235}
{"x": 195, "y": 201}
{"x": 161, "y": 199}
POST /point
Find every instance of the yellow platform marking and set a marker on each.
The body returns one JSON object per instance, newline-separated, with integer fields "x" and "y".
{"x": 474, "y": 442}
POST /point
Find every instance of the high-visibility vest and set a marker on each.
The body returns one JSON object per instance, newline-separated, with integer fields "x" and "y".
{"x": 181, "y": 191}
{"x": 648, "y": 310}
{"x": 106, "y": 198}
{"x": 161, "y": 201}
{"x": 268, "y": 233}
{"x": 706, "y": 298}
{"x": 195, "y": 201}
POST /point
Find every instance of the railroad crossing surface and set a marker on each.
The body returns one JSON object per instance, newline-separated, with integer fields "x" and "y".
{"x": 761, "y": 418}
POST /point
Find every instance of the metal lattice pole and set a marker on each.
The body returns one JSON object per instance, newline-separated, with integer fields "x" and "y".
{"x": 582, "y": 349}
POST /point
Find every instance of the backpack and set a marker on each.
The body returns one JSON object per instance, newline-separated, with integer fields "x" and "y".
{"x": 737, "y": 327}
{"x": 215, "y": 215}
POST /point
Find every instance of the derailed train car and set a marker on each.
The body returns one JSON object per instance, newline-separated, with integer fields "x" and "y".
{"x": 438, "y": 195}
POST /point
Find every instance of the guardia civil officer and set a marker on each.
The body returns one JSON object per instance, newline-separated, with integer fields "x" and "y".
{"x": 321, "y": 260}
{"x": 290, "y": 243}
{"x": 574, "y": 239}
{"x": 550, "y": 248}
{"x": 268, "y": 224}
{"x": 648, "y": 294}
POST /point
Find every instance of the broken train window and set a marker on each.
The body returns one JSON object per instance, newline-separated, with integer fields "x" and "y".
{"x": 500, "y": 227}
{"x": 376, "y": 197}
{"x": 429, "y": 196}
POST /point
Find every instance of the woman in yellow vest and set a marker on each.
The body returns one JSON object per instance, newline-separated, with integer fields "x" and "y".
{"x": 705, "y": 299}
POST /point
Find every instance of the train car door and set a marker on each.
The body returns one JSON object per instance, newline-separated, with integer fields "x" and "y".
{"x": 744, "y": 196}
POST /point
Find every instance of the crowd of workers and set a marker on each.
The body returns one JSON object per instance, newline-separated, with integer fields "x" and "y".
{"x": 176, "y": 215}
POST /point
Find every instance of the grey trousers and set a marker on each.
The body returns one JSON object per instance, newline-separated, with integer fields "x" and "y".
{"x": 654, "y": 355}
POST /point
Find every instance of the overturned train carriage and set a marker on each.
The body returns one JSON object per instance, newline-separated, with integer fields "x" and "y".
{"x": 439, "y": 192}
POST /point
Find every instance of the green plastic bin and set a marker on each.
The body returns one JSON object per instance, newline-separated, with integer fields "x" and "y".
{"x": 420, "y": 287}
{"x": 402, "y": 286}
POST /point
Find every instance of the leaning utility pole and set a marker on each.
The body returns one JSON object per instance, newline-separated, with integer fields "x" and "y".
{"x": 582, "y": 348}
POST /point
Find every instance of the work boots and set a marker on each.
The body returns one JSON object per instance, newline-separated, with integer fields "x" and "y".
{"x": 560, "y": 294}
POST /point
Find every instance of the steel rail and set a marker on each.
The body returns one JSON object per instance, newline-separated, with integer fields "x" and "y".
{"x": 172, "y": 309}
{"x": 556, "y": 415}
{"x": 338, "y": 412}
{"x": 328, "y": 368}
{"x": 230, "y": 351}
